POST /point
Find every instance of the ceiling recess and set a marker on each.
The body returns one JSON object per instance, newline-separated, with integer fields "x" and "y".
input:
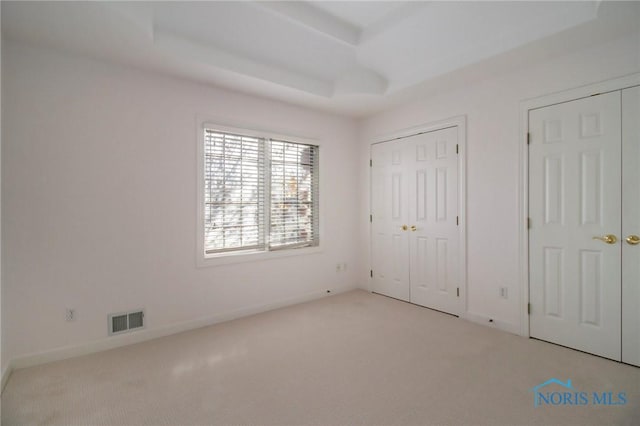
{"x": 348, "y": 57}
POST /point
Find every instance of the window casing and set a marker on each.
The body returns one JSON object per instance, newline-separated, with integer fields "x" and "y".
{"x": 260, "y": 194}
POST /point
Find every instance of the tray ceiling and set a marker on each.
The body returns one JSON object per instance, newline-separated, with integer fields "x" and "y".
{"x": 352, "y": 58}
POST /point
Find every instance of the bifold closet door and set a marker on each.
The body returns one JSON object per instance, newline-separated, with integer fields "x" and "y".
{"x": 631, "y": 226}
{"x": 390, "y": 212}
{"x": 575, "y": 209}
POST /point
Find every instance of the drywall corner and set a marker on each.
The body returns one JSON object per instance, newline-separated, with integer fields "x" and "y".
{"x": 6, "y": 373}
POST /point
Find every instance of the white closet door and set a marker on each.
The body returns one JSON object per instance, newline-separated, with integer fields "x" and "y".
{"x": 574, "y": 196}
{"x": 390, "y": 211}
{"x": 630, "y": 226}
{"x": 433, "y": 185}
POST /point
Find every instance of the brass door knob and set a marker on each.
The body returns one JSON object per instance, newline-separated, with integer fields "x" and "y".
{"x": 413, "y": 228}
{"x": 404, "y": 227}
{"x": 609, "y": 239}
{"x": 633, "y": 240}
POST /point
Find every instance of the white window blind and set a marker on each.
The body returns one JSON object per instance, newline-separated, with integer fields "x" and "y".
{"x": 234, "y": 192}
{"x": 294, "y": 193}
{"x": 260, "y": 194}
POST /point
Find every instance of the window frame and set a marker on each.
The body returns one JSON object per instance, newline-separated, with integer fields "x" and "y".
{"x": 240, "y": 256}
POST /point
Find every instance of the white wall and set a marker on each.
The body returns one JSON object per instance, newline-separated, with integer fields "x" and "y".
{"x": 99, "y": 199}
{"x": 492, "y": 110}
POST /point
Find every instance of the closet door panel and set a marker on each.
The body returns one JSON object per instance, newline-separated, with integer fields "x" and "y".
{"x": 574, "y": 204}
{"x": 389, "y": 209}
{"x": 433, "y": 209}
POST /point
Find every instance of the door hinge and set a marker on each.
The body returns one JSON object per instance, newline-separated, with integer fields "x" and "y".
{"x": 458, "y": 292}
{"x": 528, "y": 223}
{"x": 370, "y": 218}
{"x": 457, "y": 220}
{"x": 456, "y": 148}
{"x": 370, "y": 163}
{"x": 528, "y": 138}
{"x": 529, "y": 308}
{"x": 371, "y": 273}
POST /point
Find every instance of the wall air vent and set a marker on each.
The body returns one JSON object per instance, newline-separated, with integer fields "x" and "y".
{"x": 126, "y": 321}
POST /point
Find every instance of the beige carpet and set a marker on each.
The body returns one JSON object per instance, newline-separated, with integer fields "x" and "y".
{"x": 350, "y": 359}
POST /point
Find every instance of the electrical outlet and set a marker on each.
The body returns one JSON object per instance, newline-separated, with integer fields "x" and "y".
{"x": 71, "y": 314}
{"x": 504, "y": 292}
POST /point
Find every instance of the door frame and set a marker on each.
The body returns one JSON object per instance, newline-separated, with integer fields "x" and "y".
{"x": 460, "y": 122}
{"x": 526, "y": 105}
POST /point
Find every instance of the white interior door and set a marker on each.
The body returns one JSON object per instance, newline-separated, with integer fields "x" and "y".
{"x": 630, "y": 226}
{"x": 390, "y": 211}
{"x": 414, "y": 205}
{"x": 433, "y": 211}
{"x": 574, "y": 196}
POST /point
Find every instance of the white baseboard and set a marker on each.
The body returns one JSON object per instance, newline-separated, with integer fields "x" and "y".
{"x": 500, "y": 325}
{"x": 148, "y": 334}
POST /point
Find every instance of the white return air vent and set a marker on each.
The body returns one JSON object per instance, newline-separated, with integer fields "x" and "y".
{"x": 126, "y": 321}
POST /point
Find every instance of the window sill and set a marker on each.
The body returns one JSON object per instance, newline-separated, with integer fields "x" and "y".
{"x": 252, "y": 256}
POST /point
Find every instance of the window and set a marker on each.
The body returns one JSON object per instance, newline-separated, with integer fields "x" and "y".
{"x": 260, "y": 194}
